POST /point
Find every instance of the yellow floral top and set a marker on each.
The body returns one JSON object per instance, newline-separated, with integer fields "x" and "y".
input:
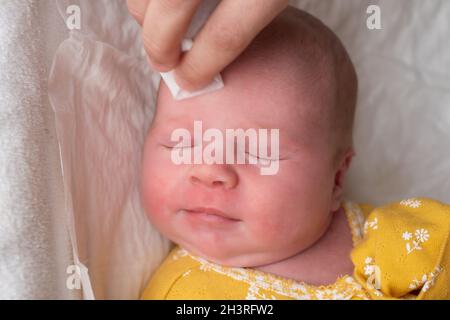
{"x": 401, "y": 251}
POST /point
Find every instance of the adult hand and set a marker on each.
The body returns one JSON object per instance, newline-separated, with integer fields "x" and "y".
{"x": 227, "y": 33}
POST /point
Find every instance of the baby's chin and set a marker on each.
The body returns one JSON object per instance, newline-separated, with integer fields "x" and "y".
{"x": 234, "y": 257}
{"x": 219, "y": 255}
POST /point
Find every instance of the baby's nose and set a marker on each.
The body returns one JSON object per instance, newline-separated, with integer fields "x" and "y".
{"x": 215, "y": 175}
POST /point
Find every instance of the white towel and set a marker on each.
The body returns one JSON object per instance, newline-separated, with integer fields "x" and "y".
{"x": 33, "y": 242}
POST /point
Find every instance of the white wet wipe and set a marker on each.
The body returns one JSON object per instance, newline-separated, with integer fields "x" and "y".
{"x": 203, "y": 13}
{"x": 179, "y": 93}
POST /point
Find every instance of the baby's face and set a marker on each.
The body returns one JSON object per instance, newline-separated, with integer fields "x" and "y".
{"x": 270, "y": 217}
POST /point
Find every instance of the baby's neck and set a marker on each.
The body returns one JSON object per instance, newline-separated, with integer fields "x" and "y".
{"x": 322, "y": 263}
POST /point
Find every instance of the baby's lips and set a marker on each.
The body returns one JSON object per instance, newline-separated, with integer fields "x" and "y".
{"x": 210, "y": 210}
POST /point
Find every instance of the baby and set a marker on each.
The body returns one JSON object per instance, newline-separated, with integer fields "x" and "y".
{"x": 240, "y": 234}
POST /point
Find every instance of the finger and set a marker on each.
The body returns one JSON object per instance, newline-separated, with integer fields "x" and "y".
{"x": 137, "y": 9}
{"x": 166, "y": 23}
{"x": 228, "y": 32}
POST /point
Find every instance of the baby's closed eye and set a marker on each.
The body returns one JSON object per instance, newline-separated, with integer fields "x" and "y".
{"x": 172, "y": 145}
{"x": 262, "y": 160}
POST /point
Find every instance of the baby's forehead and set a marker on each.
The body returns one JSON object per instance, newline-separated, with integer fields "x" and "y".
{"x": 248, "y": 101}
{"x": 256, "y": 89}
{"x": 240, "y": 100}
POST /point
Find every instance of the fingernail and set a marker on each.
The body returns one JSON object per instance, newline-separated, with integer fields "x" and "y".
{"x": 186, "y": 85}
{"x": 157, "y": 66}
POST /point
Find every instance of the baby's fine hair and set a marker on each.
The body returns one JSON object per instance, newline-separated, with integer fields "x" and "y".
{"x": 297, "y": 43}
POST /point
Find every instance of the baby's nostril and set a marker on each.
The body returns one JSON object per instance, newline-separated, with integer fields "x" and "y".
{"x": 195, "y": 180}
{"x": 217, "y": 183}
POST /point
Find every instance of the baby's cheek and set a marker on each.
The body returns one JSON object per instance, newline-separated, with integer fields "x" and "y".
{"x": 267, "y": 227}
{"x": 277, "y": 216}
{"x": 154, "y": 189}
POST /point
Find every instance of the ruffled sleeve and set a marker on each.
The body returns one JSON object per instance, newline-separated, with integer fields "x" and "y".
{"x": 405, "y": 251}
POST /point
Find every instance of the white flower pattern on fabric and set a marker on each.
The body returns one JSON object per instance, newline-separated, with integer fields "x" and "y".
{"x": 179, "y": 254}
{"x": 254, "y": 294}
{"x": 186, "y": 273}
{"x": 426, "y": 281}
{"x": 371, "y": 224}
{"x": 373, "y": 273}
{"x": 258, "y": 281}
{"x": 420, "y": 236}
{"x": 412, "y": 203}
{"x": 357, "y": 220}
{"x": 407, "y": 236}
{"x": 368, "y": 269}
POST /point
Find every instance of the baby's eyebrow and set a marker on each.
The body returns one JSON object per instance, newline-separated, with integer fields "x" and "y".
{"x": 172, "y": 123}
{"x": 260, "y": 124}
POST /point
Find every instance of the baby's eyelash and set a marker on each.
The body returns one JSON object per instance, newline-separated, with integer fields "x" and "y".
{"x": 261, "y": 158}
{"x": 176, "y": 147}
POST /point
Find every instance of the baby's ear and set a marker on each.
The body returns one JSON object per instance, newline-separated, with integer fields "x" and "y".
{"x": 339, "y": 177}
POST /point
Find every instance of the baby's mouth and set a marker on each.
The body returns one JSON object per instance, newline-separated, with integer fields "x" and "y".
{"x": 210, "y": 214}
